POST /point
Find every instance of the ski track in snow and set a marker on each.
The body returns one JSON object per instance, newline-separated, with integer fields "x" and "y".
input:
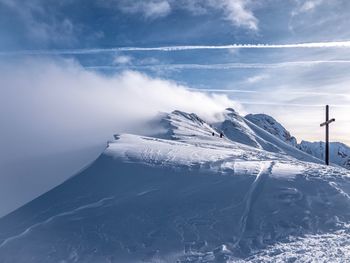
{"x": 339, "y": 190}
{"x": 29, "y": 229}
{"x": 264, "y": 172}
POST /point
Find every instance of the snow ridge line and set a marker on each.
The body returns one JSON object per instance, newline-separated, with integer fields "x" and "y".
{"x": 265, "y": 171}
{"x": 50, "y": 219}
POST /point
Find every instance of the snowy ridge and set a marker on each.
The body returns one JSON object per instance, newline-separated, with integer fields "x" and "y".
{"x": 188, "y": 196}
{"x": 188, "y": 140}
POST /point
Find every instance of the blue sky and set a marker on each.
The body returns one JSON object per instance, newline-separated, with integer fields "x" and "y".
{"x": 73, "y": 72}
{"x": 288, "y": 78}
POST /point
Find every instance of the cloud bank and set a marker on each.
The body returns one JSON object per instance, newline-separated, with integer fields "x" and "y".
{"x": 56, "y": 101}
{"x": 56, "y": 107}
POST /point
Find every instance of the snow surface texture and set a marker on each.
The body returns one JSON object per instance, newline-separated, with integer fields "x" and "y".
{"x": 339, "y": 152}
{"x": 188, "y": 196}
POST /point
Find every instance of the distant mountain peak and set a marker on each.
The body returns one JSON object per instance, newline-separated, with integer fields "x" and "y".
{"x": 339, "y": 152}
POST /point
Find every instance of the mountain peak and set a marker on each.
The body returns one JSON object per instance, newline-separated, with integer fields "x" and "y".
{"x": 230, "y": 110}
{"x": 189, "y": 116}
{"x": 272, "y": 126}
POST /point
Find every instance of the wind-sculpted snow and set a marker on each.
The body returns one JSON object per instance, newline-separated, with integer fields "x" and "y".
{"x": 207, "y": 155}
{"x": 187, "y": 196}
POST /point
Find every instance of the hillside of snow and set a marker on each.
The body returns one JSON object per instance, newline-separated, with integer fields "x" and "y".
{"x": 185, "y": 195}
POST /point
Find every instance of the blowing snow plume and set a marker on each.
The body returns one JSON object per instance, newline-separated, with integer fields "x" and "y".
{"x": 51, "y": 107}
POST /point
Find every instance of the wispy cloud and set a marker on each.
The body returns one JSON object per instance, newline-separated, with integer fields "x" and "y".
{"x": 257, "y": 78}
{"x": 150, "y": 8}
{"x": 39, "y": 26}
{"x": 237, "y": 12}
{"x": 122, "y": 60}
{"x": 307, "y": 6}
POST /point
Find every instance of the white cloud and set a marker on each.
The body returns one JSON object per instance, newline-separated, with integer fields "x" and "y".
{"x": 149, "y": 8}
{"x": 257, "y": 78}
{"x": 157, "y": 9}
{"x": 41, "y": 26}
{"x": 310, "y": 5}
{"x": 122, "y": 60}
{"x": 57, "y": 107}
{"x": 70, "y": 100}
{"x": 149, "y": 61}
{"x": 306, "y": 6}
{"x": 238, "y": 13}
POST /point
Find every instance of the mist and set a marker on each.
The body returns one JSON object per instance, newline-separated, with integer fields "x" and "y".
{"x": 56, "y": 117}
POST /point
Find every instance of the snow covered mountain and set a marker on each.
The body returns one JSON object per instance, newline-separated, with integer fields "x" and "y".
{"x": 185, "y": 195}
{"x": 339, "y": 153}
{"x": 241, "y": 130}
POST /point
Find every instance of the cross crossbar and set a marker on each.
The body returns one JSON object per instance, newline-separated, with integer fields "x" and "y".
{"x": 327, "y": 122}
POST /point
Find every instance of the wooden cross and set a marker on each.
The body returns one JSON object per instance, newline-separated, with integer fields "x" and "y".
{"x": 326, "y": 123}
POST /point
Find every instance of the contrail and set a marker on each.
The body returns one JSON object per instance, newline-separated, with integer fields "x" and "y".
{"x": 336, "y": 44}
{"x": 225, "y": 90}
{"x": 308, "y": 93}
{"x": 221, "y": 66}
{"x": 291, "y": 104}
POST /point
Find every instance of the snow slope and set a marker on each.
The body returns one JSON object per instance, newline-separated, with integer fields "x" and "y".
{"x": 187, "y": 196}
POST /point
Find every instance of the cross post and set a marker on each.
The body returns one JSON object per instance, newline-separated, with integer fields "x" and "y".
{"x": 326, "y": 123}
